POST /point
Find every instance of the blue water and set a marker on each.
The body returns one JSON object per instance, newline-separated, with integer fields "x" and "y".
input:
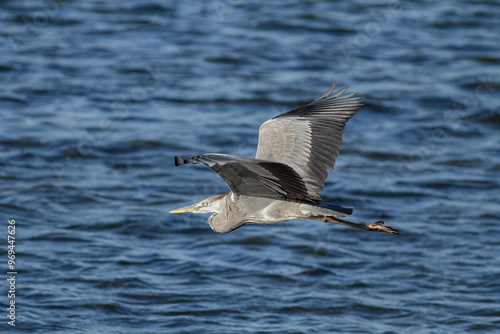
{"x": 98, "y": 97}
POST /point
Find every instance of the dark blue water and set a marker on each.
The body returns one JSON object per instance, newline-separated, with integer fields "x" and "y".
{"x": 98, "y": 96}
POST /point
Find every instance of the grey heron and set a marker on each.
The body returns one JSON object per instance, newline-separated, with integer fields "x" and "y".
{"x": 295, "y": 151}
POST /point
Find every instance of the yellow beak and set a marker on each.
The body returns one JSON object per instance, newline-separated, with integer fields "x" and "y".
{"x": 189, "y": 208}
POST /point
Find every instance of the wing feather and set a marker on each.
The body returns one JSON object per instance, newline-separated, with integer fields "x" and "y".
{"x": 309, "y": 138}
{"x": 254, "y": 177}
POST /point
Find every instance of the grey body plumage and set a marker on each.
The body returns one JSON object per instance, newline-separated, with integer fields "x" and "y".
{"x": 295, "y": 152}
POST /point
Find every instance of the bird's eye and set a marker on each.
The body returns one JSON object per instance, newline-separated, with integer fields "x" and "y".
{"x": 204, "y": 203}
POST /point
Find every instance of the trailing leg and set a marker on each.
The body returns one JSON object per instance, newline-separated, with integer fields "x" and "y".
{"x": 377, "y": 226}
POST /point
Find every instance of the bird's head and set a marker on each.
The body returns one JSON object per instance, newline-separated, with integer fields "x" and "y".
{"x": 218, "y": 205}
{"x": 208, "y": 205}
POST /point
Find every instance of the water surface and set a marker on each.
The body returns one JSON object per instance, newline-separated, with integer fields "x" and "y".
{"x": 98, "y": 96}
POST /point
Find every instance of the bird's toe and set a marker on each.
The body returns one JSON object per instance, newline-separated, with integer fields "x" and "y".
{"x": 377, "y": 226}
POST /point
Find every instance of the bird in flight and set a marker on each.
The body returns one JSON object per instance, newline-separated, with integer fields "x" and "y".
{"x": 294, "y": 154}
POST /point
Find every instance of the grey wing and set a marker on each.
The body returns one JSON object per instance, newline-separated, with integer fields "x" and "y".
{"x": 254, "y": 177}
{"x": 309, "y": 138}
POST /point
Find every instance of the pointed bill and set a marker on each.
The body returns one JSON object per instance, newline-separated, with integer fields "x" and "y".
{"x": 189, "y": 208}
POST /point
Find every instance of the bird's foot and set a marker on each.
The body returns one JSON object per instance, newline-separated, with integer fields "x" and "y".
{"x": 377, "y": 226}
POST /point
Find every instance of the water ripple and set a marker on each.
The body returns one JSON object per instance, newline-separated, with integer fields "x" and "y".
{"x": 99, "y": 96}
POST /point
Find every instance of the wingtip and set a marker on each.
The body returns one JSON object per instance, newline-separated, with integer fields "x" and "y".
{"x": 178, "y": 161}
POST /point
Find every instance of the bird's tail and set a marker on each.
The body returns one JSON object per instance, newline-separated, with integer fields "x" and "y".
{"x": 339, "y": 211}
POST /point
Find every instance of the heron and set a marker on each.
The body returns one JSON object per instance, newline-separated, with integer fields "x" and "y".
{"x": 295, "y": 152}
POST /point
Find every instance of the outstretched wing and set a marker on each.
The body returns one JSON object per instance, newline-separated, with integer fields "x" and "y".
{"x": 309, "y": 138}
{"x": 254, "y": 177}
